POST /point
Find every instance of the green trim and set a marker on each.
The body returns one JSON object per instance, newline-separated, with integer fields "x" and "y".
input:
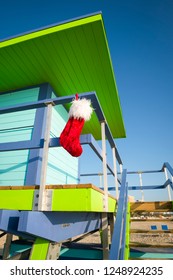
{"x": 72, "y": 199}
{"x": 85, "y": 199}
{"x": 39, "y": 249}
{"x": 112, "y": 204}
{"x": 127, "y": 248}
{"x": 16, "y": 199}
{"x": 50, "y": 30}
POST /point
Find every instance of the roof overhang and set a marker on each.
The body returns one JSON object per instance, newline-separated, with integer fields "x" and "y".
{"x": 74, "y": 58}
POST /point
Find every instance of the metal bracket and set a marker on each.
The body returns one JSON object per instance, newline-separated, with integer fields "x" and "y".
{"x": 35, "y": 200}
{"x": 104, "y": 204}
{"x": 53, "y": 251}
{"x": 47, "y": 200}
{"x": 50, "y": 102}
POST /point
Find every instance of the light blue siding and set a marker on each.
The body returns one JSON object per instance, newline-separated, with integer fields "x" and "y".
{"x": 14, "y": 127}
{"x": 62, "y": 167}
{"x": 18, "y": 126}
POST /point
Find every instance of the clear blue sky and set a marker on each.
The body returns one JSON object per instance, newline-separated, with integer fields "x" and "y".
{"x": 140, "y": 37}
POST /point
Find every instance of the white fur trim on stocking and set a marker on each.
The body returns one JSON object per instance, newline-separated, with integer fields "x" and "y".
{"x": 81, "y": 108}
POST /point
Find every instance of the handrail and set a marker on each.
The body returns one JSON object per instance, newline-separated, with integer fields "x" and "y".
{"x": 168, "y": 182}
{"x": 101, "y": 174}
{"x": 144, "y": 171}
{"x": 61, "y": 101}
{"x": 168, "y": 166}
{"x": 118, "y": 239}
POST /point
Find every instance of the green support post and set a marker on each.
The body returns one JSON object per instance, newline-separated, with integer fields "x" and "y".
{"x": 45, "y": 250}
{"x": 40, "y": 249}
{"x": 127, "y": 249}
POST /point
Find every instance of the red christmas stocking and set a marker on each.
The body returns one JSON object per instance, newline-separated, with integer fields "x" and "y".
{"x": 80, "y": 111}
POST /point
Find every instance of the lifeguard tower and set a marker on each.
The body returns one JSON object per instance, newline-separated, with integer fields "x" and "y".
{"x": 41, "y": 198}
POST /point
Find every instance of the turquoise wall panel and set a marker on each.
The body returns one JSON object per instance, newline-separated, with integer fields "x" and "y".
{"x": 13, "y": 167}
{"x": 18, "y": 126}
{"x": 17, "y": 119}
{"x": 19, "y": 97}
{"x": 62, "y": 167}
{"x": 14, "y": 127}
{"x": 13, "y": 135}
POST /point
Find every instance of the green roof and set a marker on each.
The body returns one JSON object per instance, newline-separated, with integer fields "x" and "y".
{"x": 74, "y": 58}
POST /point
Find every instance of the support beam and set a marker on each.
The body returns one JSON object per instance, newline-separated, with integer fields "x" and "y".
{"x": 9, "y": 220}
{"x": 7, "y": 246}
{"x": 105, "y": 181}
{"x": 33, "y": 173}
{"x": 58, "y": 226}
{"x": 111, "y": 223}
{"x": 39, "y": 249}
{"x": 53, "y": 251}
{"x": 141, "y": 184}
{"x": 127, "y": 242}
{"x": 105, "y": 236}
{"x": 43, "y": 249}
{"x": 115, "y": 172}
{"x": 42, "y": 193}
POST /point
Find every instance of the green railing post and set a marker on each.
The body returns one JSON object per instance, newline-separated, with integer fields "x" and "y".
{"x": 127, "y": 242}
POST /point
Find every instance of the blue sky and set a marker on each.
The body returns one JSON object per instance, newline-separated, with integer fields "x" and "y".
{"x": 140, "y": 37}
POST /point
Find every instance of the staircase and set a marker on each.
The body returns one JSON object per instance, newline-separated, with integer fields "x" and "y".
{"x": 143, "y": 230}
